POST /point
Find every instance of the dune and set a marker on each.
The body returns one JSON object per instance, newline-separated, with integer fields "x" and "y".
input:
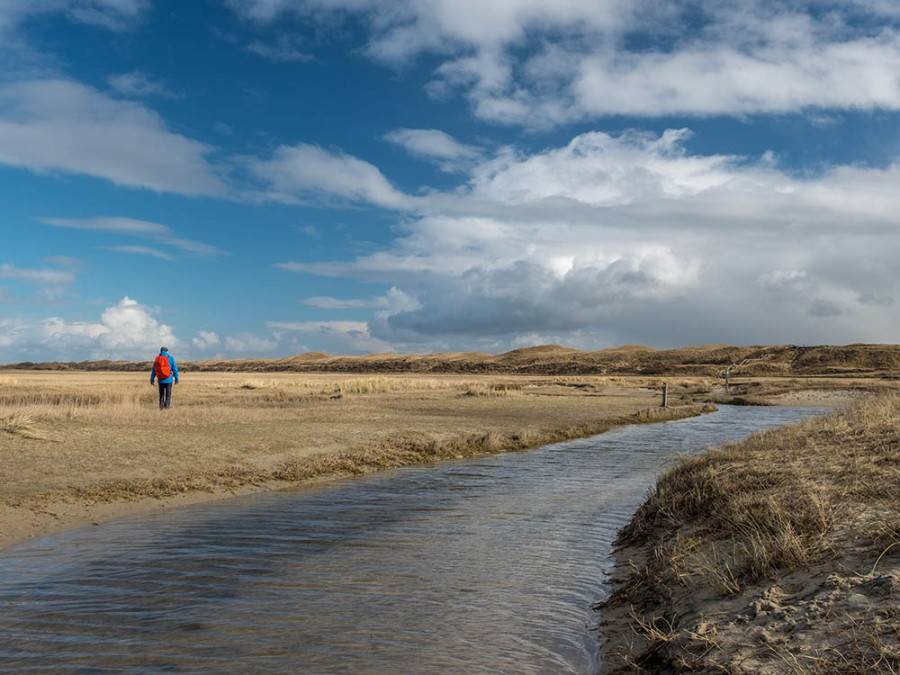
{"x": 865, "y": 360}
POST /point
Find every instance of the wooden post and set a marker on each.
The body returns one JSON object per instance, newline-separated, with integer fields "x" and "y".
{"x": 665, "y": 401}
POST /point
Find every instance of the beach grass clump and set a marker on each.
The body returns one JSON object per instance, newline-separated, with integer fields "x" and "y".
{"x": 275, "y": 383}
{"x": 20, "y": 424}
{"x": 792, "y": 536}
{"x": 385, "y": 385}
{"x": 366, "y": 385}
{"x": 493, "y": 389}
{"x": 259, "y": 384}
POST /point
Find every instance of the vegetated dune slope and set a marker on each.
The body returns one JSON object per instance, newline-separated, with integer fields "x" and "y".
{"x": 708, "y": 360}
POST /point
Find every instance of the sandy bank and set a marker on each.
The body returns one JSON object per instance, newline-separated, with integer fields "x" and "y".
{"x": 82, "y": 448}
{"x": 777, "y": 555}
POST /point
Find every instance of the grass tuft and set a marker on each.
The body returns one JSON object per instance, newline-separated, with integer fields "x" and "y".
{"x": 501, "y": 389}
{"x": 20, "y": 424}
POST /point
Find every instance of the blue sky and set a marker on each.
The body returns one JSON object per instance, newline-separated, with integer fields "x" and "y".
{"x": 245, "y": 178}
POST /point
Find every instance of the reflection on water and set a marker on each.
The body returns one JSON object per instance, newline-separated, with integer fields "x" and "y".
{"x": 487, "y": 565}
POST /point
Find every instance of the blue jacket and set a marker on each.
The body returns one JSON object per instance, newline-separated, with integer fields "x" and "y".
{"x": 172, "y": 366}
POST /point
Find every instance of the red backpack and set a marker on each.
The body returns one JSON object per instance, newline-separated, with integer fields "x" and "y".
{"x": 161, "y": 367}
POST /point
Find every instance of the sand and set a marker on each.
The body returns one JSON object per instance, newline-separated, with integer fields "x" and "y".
{"x": 796, "y": 623}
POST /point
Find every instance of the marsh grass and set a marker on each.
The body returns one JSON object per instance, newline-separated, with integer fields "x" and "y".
{"x": 816, "y": 496}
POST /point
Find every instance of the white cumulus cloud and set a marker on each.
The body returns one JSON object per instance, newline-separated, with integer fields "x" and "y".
{"x": 248, "y": 344}
{"x": 632, "y": 238}
{"x": 205, "y": 340}
{"x": 126, "y": 330}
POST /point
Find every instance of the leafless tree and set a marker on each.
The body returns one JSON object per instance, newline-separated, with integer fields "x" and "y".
{"x": 726, "y": 373}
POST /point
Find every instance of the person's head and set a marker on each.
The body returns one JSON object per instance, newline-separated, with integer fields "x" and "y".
{"x": 163, "y": 349}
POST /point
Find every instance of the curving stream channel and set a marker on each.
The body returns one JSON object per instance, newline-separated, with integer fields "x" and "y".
{"x": 477, "y": 566}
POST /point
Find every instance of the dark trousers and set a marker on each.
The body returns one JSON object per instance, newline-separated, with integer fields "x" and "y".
{"x": 165, "y": 394}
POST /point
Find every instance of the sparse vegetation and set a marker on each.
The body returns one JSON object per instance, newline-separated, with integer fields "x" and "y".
{"x": 494, "y": 389}
{"x": 728, "y": 537}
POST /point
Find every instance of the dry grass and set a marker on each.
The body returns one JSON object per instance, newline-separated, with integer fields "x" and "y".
{"x": 349, "y": 387}
{"x": 20, "y": 424}
{"x": 495, "y": 389}
{"x": 817, "y": 501}
{"x": 117, "y": 397}
{"x": 105, "y": 439}
{"x": 383, "y": 385}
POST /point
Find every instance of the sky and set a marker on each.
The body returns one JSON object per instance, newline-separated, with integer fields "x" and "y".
{"x": 260, "y": 178}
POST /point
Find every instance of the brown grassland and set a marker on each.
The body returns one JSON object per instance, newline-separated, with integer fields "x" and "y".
{"x": 82, "y": 446}
{"x": 780, "y": 554}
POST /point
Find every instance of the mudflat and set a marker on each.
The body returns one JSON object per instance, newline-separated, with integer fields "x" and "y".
{"x": 80, "y": 447}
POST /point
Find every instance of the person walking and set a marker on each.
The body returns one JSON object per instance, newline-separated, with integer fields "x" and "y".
{"x": 165, "y": 370}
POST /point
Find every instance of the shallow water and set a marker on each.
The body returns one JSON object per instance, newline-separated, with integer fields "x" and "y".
{"x": 477, "y": 566}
